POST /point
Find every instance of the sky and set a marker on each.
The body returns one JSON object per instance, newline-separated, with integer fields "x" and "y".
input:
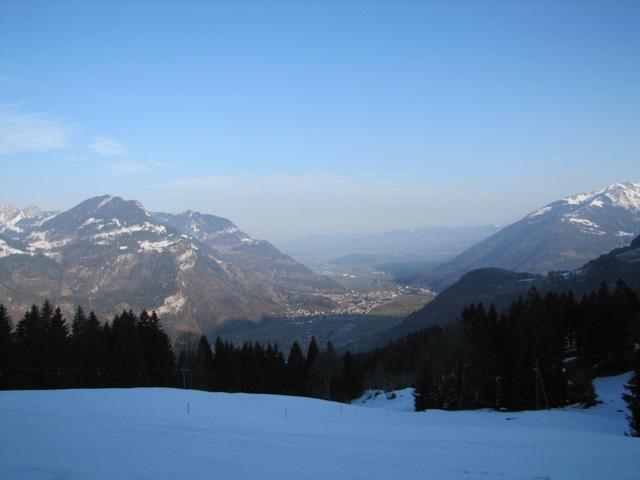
{"x": 295, "y": 118}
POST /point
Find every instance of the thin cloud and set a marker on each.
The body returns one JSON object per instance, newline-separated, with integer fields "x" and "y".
{"x": 22, "y": 132}
{"x": 107, "y": 147}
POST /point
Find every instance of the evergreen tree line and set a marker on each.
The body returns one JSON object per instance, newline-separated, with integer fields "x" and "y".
{"x": 43, "y": 351}
{"x": 257, "y": 368}
{"x": 542, "y": 351}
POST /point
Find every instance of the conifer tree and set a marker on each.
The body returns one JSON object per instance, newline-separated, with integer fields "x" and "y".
{"x": 220, "y": 367}
{"x": 126, "y": 350}
{"x": 425, "y": 394}
{"x": 351, "y": 381}
{"x": 324, "y": 374}
{"x": 30, "y": 338}
{"x": 156, "y": 348}
{"x": 204, "y": 361}
{"x": 312, "y": 352}
{"x": 296, "y": 371}
{"x": 57, "y": 345}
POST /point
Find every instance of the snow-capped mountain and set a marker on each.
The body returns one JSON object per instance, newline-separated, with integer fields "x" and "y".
{"x": 559, "y": 236}
{"x": 14, "y": 221}
{"x": 110, "y": 254}
{"x": 211, "y": 229}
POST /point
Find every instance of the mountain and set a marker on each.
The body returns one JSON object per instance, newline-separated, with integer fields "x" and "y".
{"x": 110, "y": 254}
{"x": 501, "y": 287}
{"x": 13, "y": 221}
{"x": 258, "y": 261}
{"x": 559, "y": 236}
{"x": 427, "y": 244}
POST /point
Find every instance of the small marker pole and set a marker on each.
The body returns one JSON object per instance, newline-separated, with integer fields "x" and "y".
{"x": 285, "y": 413}
{"x": 188, "y": 408}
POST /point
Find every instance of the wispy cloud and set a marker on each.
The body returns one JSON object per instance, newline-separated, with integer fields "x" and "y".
{"x": 30, "y": 132}
{"x": 127, "y": 168}
{"x": 107, "y": 147}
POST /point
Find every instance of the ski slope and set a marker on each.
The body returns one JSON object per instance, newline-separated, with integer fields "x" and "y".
{"x": 152, "y": 433}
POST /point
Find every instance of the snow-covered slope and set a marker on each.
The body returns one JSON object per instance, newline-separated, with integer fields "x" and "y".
{"x": 169, "y": 434}
{"x": 14, "y": 221}
{"x": 397, "y": 400}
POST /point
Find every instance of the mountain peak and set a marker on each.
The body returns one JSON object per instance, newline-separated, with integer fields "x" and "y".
{"x": 622, "y": 194}
{"x": 562, "y": 235}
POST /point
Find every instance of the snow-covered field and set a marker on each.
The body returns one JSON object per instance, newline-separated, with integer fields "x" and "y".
{"x": 150, "y": 434}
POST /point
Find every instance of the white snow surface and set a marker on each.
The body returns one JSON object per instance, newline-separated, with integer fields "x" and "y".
{"x": 172, "y": 304}
{"x": 542, "y": 211}
{"x": 624, "y": 195}
{"x": 582, "y": 221}
{"x": 6, "y": 250}
{"x": 106, "y": 200}
{"x": 145, "y": 227}
{"x": 146, "y": 433}
{"x": 398, "y": 400}
{"x": 158, "y": 246}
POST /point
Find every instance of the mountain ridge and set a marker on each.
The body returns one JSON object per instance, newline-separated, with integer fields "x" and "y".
{"x": 109, "y": 254}
{"x": 501, "y": 287}
{"x": 561, "y": 235}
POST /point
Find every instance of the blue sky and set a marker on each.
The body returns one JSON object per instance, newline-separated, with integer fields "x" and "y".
{"x": 293, "y": 118}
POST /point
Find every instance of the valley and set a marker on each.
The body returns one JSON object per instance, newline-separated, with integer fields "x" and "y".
{"x": 353, "y": 316}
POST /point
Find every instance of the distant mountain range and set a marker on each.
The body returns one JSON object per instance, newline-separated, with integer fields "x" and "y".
{"x": 110, "y": 254}
{"x": 559, "y": 236}
{"x": 431, "y": 244}
{"x": 501, "y": 287}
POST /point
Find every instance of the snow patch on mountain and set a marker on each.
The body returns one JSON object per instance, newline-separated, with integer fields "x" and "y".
{"x": 623, "y": 195}
{"x": 40, "y": 241}
{"x": 90, "y": 221}
{"x": 172, "y": 304}
{"x": 217, "y": 260}
{"x": 145, "y": 227}
{"x": 542, "y": 211}
{"x": 580, "y": 198}
{"x": 582, "y": 221}
{"x": 7, "y": 212}
{"x": 186, "y": 260}
{"x": 159, "y": 246}
{"x": 11, "y": 217}
{"x": 11, "y": 224}
{"x": 106, "y": 200}
{"x": 6, "y": 250}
